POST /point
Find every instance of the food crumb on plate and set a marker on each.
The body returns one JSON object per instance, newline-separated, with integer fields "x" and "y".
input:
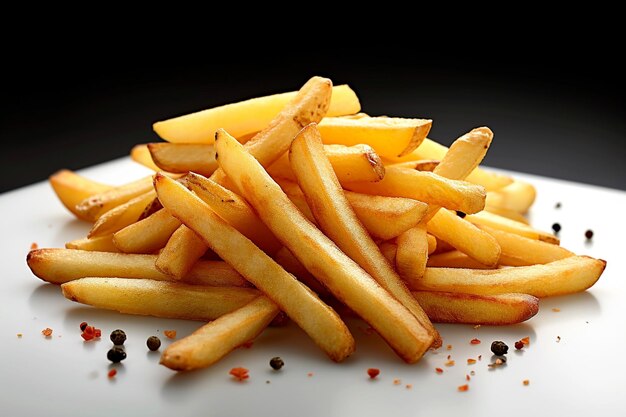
{"x": 475, "y": 341}
{"x": 170, "y": 334}
{"x": 47, "y": 332}
{"x": 239, "y": 373}
{"x": 34, "y": 246}
{"x": 373, "y": 372}
{"x": 112, "y": 373}
{"x": 463, "y": 388}
{"x": 526, "y": 382}
{"x": 396, "y": 382}
{"x": 556, "y": 310}
{"x": 439, "y": 370}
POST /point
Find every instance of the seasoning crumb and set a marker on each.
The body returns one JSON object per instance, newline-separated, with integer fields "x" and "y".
{"x": 472, "y": 373}
{"x": 47, "y": 332}
{"x": 463, "y": 388}
{"x": 310, "y": 374}
{"x": 154, "y": 343}
{"x": 19, "y": 335}
{"x": 373, "y": 372}
{"x": 471, "y": 361}
{"x": 239, "y": 373}
{"x": 449, "y": 347}
{"x": 118, "y": 337}
{"x": 477, "y": 326}
{"x": 556, "y": 310}
{"x": 112, "y": 373}
{"x": 589, "y": 234}
{"x": 170, "y": 334}
{"x": 519, "y": 345}
{"x": 460, "y": 214}
{"x": 83, "y": 325}
{"x": 396, "y": 382}
{"x": 525, "y": 340}
{"x": 116, "y": 354}
{"x": 480, "y": 357}
{"x": 499, "y": 348}
{"x": 439, "y": 370}
{"x": 475, "y": 341}
{"x": 449, "y": 356}
{"x": 556, "y": 227}
{"x": 467, "y": 377}
{"x": 276, "y": 363}
{"x": 409, "y": 386}
{"x": 557, "y": 205}
{"x": 449, "y": 363}
{"x": 558, "y": 339}
{"x": 526, "y": 382}
{"x": 267, "y": 381}
{"x": 34, "y": 246}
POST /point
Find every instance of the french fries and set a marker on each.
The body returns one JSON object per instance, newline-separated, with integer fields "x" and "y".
{"x": 505, "y": 224}
{"x": 184, "y": 157}
{"x": 147, "y": 235}
{"x": 72, "y": 188}
{"x": 121, "y": 216}
{"x": 101, "y": 244}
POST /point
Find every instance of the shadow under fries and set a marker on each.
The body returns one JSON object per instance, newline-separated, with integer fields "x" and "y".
{"x": 582, "y": 305}
{"x": 74, "y": 227}
{"x": 44, "y": 296}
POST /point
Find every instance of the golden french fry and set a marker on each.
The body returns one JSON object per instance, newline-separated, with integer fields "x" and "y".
{"x": 292, "y": 265}
{"x": 147, "y": 297}
{"x": 412, "y": 254}
{"x": 465, "y": 154}
{"x": 182, "y": 251}
{"x": 339, "y": 222}
{"x": 121, "y": 216}
{"x": 466, "y": 237}
{"x": 510, "y": 214}
{"x": 245, "y": 117}
{"x": 350, "y": 163}
{"x": 389, "y": 250}
{"x": 63, "y": 265}
{"x": 72, "y": 188}
{"x": 147, "y": 235}
{"x": 141, "y": 154}
{"x": 502, "y": 223}
{"x": 340, "y": 274}
{"x": 184, "y": 157}
{"x": 517, "y": 196}
{"x": 454, "y": 259}
{"x": 419, "y": 165}
{"x": 502, "y": 309}
{"x": 96, "y": 205}
{"x": 304, "y": 307}
{"x": 425, "y": 186}
{"x": 101, "y": 244}
{"x": 432, "y": 243}
{"x": 214, "y": 340}
{"x": 391, "y": 137}
{"x": 520, "y": 251}
{"x": 569, "y": 275}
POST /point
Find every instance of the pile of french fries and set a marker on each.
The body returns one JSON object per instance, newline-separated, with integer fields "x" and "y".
{"x": 295, "y": 202}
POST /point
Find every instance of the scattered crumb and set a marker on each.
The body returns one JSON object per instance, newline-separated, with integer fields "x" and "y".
{"x": 19, "y": 335}
{"x": 480, "y": 357}
{"x": 373, "y": 372}
{"x": 477, "y": 326}
{"x": 396, "y": 382}
{"x": 439, "y": 370}
{"x": 475, "y": 341}
{"x": 310, "y": 374}
{"x": 525, "y": 340}
{"x": 558, "y": 339}
{"x": 472, "y": 373}
{"x": 34, "y": 246}
{"x": 463, "y": 388}
{"x": 409, "y": 386}
{"x": 449, "y": 357}
{"x": 556, "y": 310}
{"x": 498, "y": 362}
{"x": 47, "y": 332}
{"x": 449, "y": 363}
{"x": 471, "y": 361}
{"x": 526, "y": 382}
{"x": 267, "y": 381}
{"x": 239, "y": 373}
{"x": 170, "y": 334}
{"x": 449, "y": 347}
{"x": 467, "y": 377}
{"x": 112, "y": 373}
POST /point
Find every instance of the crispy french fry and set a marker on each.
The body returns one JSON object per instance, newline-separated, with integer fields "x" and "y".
{"x": 63, "y": 265}
{"x": 245, "y": 117}
{"x": 510, "y": 214}
{"x": 72, "y": 188}
{"x": 502, "y": 223}
{"x": 412, "y": 254}
{"x": 181, "y": 252}
{"x": 432, "y": 243}
{"x": 466, "y": 237}
{"x": 389, "y": 250}
{"x": 292, "y": 265}
{"x": 391, "y": 137}
{"x": 147, "y": 235}
{"x": 101, "y": 244}
{"x": 465, "y": 154}
{"x": 419, "y": 165}
{"x": 350, "y": 163}
{"x": 141, "y": 154}
{"x": 184, "y": 157}
{"x": 214, "y": 340}
{"x": 304, "y": 307}
{"x": 158, "y": 298}
{"x": 502, "y": 309}
{"x": 96, "y": 205}
{"x": 341, "y": 275}
{"x": 569, "y": 275}
{"x": 121, "y": 216}
{"x": 424, "y": 186}
{"x": 517, "y": 196}
{"x": 520, "y": 251}
{"x": 454, "y": 259}
{"x": 338, "y": 220}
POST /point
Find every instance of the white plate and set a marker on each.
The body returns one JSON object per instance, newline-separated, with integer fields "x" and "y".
{"x": 582, "y": 375}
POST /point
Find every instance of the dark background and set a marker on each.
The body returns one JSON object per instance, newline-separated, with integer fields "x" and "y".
{"x": 560, "y": 116}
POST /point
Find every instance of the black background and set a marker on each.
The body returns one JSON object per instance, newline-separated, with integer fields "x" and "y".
{"x": 559, "y": 115}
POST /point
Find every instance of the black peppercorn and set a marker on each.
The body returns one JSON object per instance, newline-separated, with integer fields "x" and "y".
{"x": 118, "y": 337}
{"x": 499, "y": 348}
{"x": 460, "y": 214}
{"x": 154, "y": 343}
{"x": 116, "y": 354}
{"x": 589, "y": 234}
{"x": 519, "y": 345}
{"x": 276, "y": 363}
{"x": 83, "y": 326}
{"x": 556, "y": 227}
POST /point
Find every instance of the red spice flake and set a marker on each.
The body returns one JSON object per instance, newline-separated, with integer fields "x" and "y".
{"x": 373, "y": 372}
{"x": 526, "y": 382}
{"x": 246, "y": 345}
{"x": 471, "y": 361}
{"x": 439, "y": 370}
{"x": 519, "y": 345}
{"x": 34, "y": 246}
{"x": 310, "y": 374}
{"x": 525, "y": 340}
{"x": 87, "y": 336}
{"x": 409, "y": 386}
{"x": 463, "y": 388}
{"x": 112, "y": 373}
{"x": 396, "y": 382}
{"x": 239, "y": 373}
{"x": 90, "y": 332}
{"x": 449, "y": 356}
{"x": 83, "y": 325}
{"x": 449, "y": 347}
{"x": 449, "y": 363}
{"x": 170, "y": 334}
{"x": 47, "y": 332}
{"x": 556, "y": 310}
{"x": 467, "y": 377}
{"x": 97, "y": 332}
{"x": 475, "y": 341}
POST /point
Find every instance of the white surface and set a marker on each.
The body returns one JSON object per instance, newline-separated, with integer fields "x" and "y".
{"x": 583, "y": 375}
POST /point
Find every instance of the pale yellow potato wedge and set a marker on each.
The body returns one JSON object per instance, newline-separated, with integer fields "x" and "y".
{"x": 339, "y": 222}
{"x": 412, "y": 254}
{"x": 569, "y": 275}
{"x": 147, "y": 235}
{"x": 502, "y": 223}
{"x": 424, "y": 186}
{"x": 141, "y": 154}
{"x": 93, "y": 207}
{"x": 517, "y": 196}
{"x": 63, "y": 265}
{"x": 391, "y": 137}
{"x": 101, "y": 244}
{"x": 147, "y": 297}
{"x": 465, "y": 236}
{"x": 493, "y": 310}
{"x": 72, "y": 188}
{"x": 182, "y": 251}
{"x": 184, "y": 157}
{"x": 121, "y": 216}
{"x": 350, "y": 163}
{"x": 454, "y": 259}
{"x": 214, "y": 340}
{"x": 245, "y": 117}
{"x": 340, "y": 274}
{"x": 303, "y": 306}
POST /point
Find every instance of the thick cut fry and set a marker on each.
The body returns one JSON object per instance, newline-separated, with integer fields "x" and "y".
{"x": 63, "y": 265}
{"x": 158, "y": 298}
{"x": 147, "y": 235}
{"x": 518, "y": 196}
{"x": 502, "y": 223}
{"x": 339, "y": 222}
{"x": 412, "y": 254}
{"x": 419, "y": 165}
{"x": 569, "y": 275}
{"x": 72, "y": 188}
{"x": 466, "y": 237}
{"x": 391, "y": 137}
{"x": 510, "y": 214}
{"x": 96, "y": 205}
{"x": 184, "y": 157}
{"x": 141, "y": 154}
{"x": 214, "y": 340}
{"x": 340, "y": 274}
{"x": 454, "y": 259}
{"x": 181, "y": 253}
{"x": 520, "y": 251}
{"x": 389, "y": 250}
{"x": 425, "y": 186}
{"x": 121, "y": 216}
{"x": 245, "y": 117}
{"x": 101, "y": 244}
{"x": 432, "y": 243}
{"x": 304, "y": 307}
{"x": 292, "y": 265}
{"x": 503, "y": 309}
{"x": 350, "y": 163}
